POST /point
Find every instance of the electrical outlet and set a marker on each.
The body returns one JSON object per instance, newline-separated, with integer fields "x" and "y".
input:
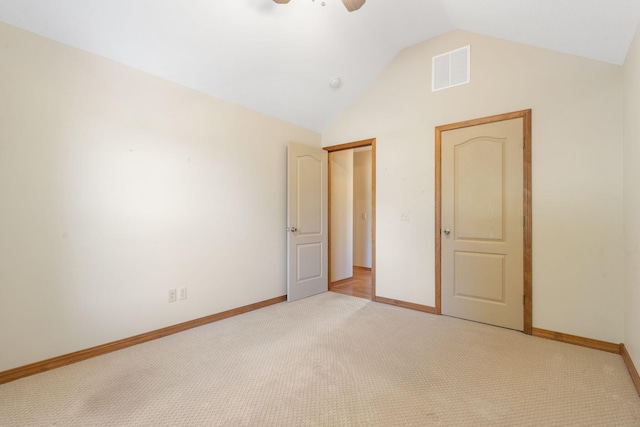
{"x": 182, "y": 293}
{"x": 172, "y": 295}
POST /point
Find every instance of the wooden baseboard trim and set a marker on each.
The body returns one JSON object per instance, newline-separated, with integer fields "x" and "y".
{"x": 404, "y": 304}
{"x": 340, "y": 282}
{"x": 575, "y": 340}
{"x": 356, "y": 267}
{"x": 67, "y": 359}
{"x": 630, "y": 367}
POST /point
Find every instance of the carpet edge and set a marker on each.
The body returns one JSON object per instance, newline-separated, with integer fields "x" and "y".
{"x": 404, "y": 304}
{"x": 576, "y": 340}
{"x": 78, "y": 356}
{"x": 635, "y": 377}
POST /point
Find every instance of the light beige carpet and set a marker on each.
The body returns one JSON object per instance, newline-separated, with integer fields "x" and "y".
{"x": 333, "y": 360}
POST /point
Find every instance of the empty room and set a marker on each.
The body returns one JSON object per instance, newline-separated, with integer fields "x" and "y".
{"x": 331, "y": 213}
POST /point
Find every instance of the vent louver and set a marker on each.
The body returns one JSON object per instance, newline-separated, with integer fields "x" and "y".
{"x": 451, "y": 69}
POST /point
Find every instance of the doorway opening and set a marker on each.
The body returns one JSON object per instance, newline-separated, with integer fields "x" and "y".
{"x": 352, "y": 201}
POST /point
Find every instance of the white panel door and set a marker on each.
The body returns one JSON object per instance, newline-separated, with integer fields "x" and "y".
{"x": 482, "y": 223}
{"x": 307, "y": 210}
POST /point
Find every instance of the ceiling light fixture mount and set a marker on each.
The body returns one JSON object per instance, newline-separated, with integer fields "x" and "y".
{"x": 351, "y": 5}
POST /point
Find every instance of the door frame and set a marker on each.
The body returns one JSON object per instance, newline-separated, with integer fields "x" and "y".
{"x": 526, "y": 198}
{"x": 341, "y": 147}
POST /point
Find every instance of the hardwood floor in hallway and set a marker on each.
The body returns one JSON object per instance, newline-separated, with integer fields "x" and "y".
{"x": 358, "y": 286}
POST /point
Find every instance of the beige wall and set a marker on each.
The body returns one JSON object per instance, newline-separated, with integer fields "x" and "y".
{"x": 341, "y": 214}
{"x": 632, "y": 200}
{"x": 577, "y": 172}
{"x": 362, "y": 207}
{"x": 116, "y": 186}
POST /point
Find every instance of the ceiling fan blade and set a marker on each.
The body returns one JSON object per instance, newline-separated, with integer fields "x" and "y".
{"x": 281, "y": 1}
{"x": 352, "y": 5}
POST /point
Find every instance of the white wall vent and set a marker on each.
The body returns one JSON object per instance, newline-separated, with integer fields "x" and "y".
{"x": 451, "y": 69}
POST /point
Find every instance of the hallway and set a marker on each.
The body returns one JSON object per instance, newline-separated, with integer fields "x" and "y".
{"x": 358, "y": 286}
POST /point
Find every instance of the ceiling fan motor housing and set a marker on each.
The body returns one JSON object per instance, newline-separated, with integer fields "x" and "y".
{"x": 351, "y": 5}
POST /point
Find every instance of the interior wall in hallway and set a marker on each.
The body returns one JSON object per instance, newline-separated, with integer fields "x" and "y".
{"x": 341, "y": 215}
{"x": 362, "y": 208}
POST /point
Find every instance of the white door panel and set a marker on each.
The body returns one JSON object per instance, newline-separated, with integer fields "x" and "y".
{"x": 482, "y": 222}
{"x": 307, "y": 248}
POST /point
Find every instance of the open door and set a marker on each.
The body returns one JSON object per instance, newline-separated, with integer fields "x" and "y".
{"x": 307, "y": 245}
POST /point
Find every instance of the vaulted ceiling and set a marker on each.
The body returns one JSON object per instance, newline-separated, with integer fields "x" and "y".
{"x": 279, "y": 59}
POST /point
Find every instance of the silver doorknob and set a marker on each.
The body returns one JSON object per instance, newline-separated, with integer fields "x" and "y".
{"x": 446, "y": 232}
{"x": 293, "y": 229}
